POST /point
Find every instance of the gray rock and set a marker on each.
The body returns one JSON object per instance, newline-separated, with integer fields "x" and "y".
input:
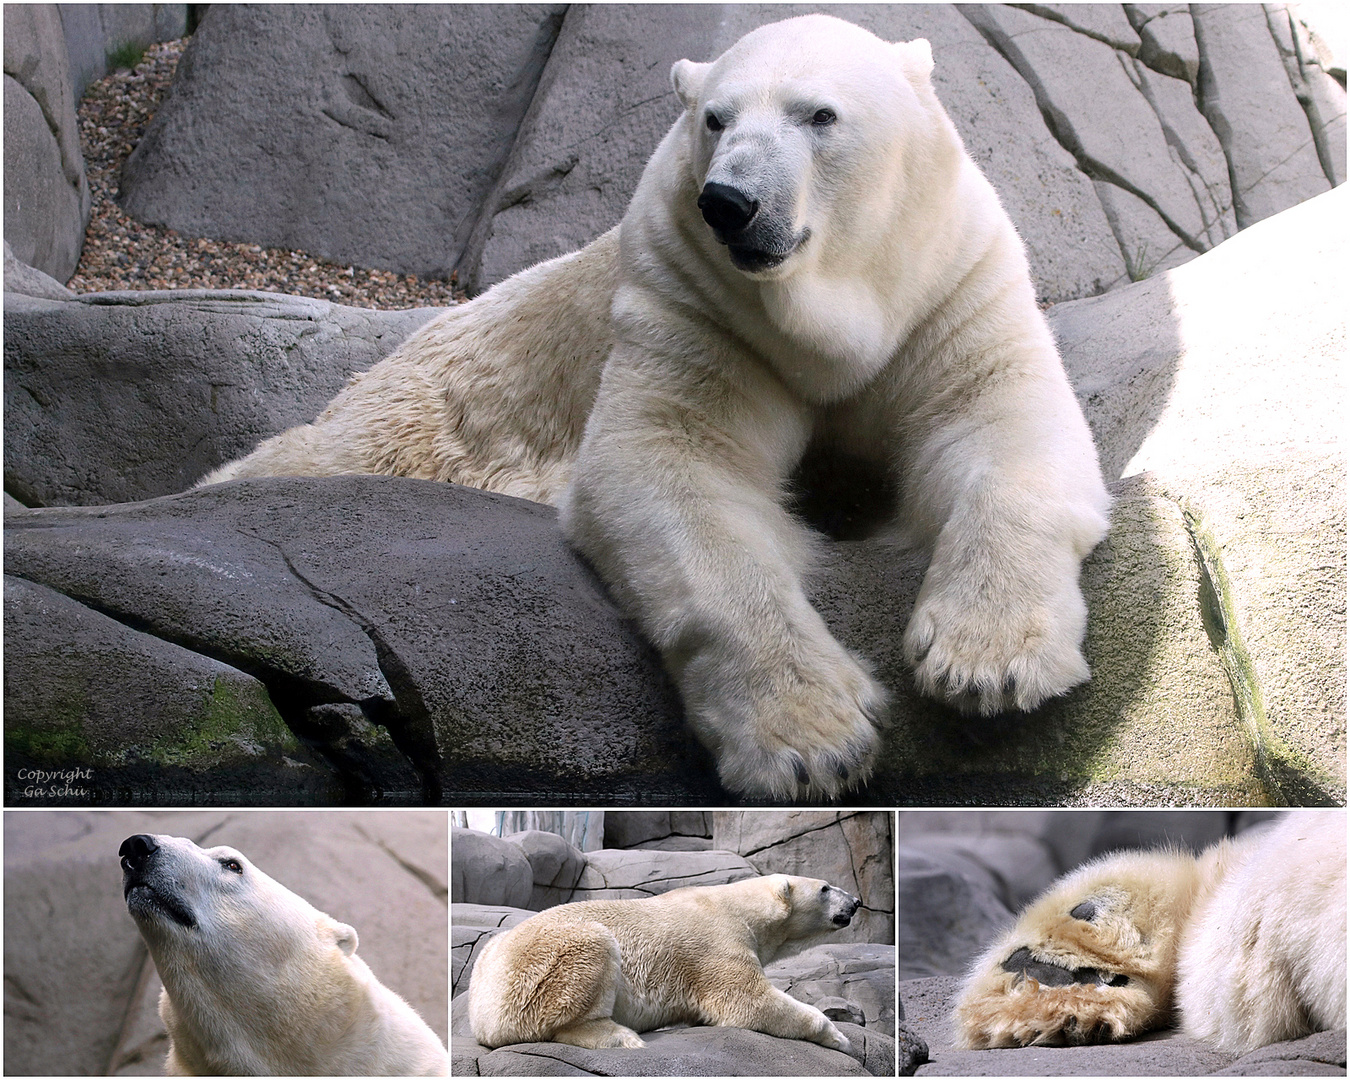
{"x": 1322, "y": 1054}
{"x": 659, "y": 828}
{"x": 911, "y": 1051}
{"x": 625, "y": 875}
{"x": 1015, "y": 868}
{"x": 316, "y": 636}
{"x": 555, "y": 864}
{"x": 182, "y": 728}
{"x": 1273, "y": 161}
{"x": 47, "y": 199}
{"x": 697, "y": 1051}
{"x": 93, "y": 31}
{"x": 1058, "y": 63}
{"x": 850, "y": 850}
{"x": 1192, "y": 830}
{"x": 487, "y": 871}
{"x": 1166, "y": 39}
{"x": 122, "y": 396}
{"x": 1066, "y": 837}
{"x": 858, "y": 980}
{"x": 82, "y": 994}
{"x": 22, "y": 278}
{"x": 1254, "y": 464}
{"x": 1048, "y": 100}
{"x": 321, "y": 105}
{"x": 945, "y": 915}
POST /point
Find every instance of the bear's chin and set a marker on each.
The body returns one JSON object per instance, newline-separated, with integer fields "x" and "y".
{"x": 753, "y": 261}
{"x": 146, "y": 904}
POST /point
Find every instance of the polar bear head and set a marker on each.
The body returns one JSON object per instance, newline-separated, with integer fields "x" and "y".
{"x": 792, "y": 912}
{"x": 256, "y": 980}
{"x": 805, "y": 134}
{"x": 212, "y": 908}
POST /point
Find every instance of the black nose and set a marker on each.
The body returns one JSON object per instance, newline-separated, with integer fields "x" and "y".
{"x": 726, "y": 209}
{"x": 136, "y": 850}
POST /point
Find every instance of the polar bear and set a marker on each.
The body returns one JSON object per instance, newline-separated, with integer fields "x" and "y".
{"x": 597, "y": 972}
{"x": 1247, "y": 941}
{"x": 811, "y": 263}
{"x": 256, "y": 981}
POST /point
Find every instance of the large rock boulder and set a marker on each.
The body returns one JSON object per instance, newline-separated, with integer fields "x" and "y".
{"x": 118, "y": 396}
{"x": 485, "y": 870}
{"x": 83, "y": 994}
{"x": 321, "y": 105}
{"x": 860, "y": 975}
{"x": 1086, "y": 120}
{"x": 47, "y": 199}
{"x": 555, "y": 865}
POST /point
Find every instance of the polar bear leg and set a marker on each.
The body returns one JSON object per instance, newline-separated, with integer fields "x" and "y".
{"x": 760, "y": 1006}
{"x": 1000, "y": 618}
{"x": 599, "y": 1034}
{"x": 676, "y": 499}
{"x": 1091, "y": 961}
{"x": 546, "y": 981}
{"x": 1264, "y": 958}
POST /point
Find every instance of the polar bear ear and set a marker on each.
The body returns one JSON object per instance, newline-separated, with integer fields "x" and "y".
{"x": 687, "y": 79}
{"x": 917, "y": 56}
{"x": 344, "y": 936}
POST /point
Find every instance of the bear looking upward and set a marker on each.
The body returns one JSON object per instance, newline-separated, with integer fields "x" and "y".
{"x": 257, "y": 982}
{"x": 811, "y": 262}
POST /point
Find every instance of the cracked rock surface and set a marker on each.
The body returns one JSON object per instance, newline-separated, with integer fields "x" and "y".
{"x": 81, "y": 990}
{"x": 1123, "y": 139}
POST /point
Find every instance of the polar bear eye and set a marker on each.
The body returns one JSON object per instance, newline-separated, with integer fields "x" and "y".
{"x": 823, "y": 117}
{"x": 712, "y": 122}
{"x": 233, "y": 865}
{"x": 824, "y": 889}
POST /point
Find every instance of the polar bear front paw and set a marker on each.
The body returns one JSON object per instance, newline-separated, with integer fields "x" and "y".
{"x": 1035, "y": 1002}
{"x": 1079, "y": 967}
{"x": 809, "y": 735}
{"x": 988, "y": 659}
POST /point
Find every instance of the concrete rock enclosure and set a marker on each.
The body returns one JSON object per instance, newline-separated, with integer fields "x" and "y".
{"x": 850, "y": 975}
{"x": 1123, "y": 139}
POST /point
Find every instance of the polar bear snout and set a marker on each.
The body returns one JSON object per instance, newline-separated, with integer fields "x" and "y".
{"x": 843, "y": 906}
{"x": 727, "y": 209}
{"x": 151, "y": 894}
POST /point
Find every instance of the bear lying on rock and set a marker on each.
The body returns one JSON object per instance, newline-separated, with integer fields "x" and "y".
{"x": 811, "y": 263}
{"x": 1247, "y": 941}
{"x": 597, "y": 972}
{"x": 256, "y": 981}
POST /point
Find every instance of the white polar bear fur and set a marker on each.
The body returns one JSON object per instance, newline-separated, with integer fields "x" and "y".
{"x": 595, "y": 973}
{"x": 898, "y": 324}
{"x": 1247, "y": 941}
{"x": 265, "y": 984}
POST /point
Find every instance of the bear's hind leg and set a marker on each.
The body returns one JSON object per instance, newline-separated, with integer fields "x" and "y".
{"x": 599, "y": 1034}
{"x": 1093, "y": 960}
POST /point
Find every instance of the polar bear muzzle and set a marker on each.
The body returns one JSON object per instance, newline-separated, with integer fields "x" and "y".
{"x": 150, "y": 894}
{"x": 841, "y": 905}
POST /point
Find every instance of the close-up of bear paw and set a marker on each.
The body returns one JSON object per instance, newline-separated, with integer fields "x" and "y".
{"x": 1091, "y": 961}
